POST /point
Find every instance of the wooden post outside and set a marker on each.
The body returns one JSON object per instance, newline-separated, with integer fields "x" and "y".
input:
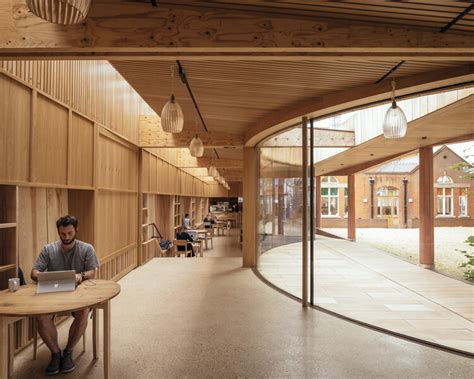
{"x": 426, "y": 208}
{"x": 351, "y": 216}
{"x": 317, "y": 197}
{"x": 250, "y": 205}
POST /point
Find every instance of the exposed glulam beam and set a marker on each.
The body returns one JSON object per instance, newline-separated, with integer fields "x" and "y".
{"x": 120, "y": 30}
{"x": 152, "y": 135}
{"x": 322, "y": 138}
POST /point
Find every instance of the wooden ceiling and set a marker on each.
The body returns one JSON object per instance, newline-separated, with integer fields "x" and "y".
{"x": 235, "y": 95}
{"x": 431, "y": 15}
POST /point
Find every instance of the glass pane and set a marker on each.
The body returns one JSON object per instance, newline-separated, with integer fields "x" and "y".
{"x": 334, "y": 191}
{"x": 439, "y": 205}
{"x": 449, "y": 200}
{"x": 387, "y": 211}
{"x": 324, "y": 191}
{"x": 324, "y": 206}
{"x": 462, "y": 206}
{"x": 333, "y": 207}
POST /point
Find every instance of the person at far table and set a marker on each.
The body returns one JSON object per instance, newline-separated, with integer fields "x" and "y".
{"x": 67, "y": 253}
{"x": 186, "y": 221}
{"x": 209, "y": 221}
{"x": 185, "y": 236}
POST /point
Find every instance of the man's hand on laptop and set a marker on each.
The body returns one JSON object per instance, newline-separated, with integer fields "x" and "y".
{"x": 78, "y": 278}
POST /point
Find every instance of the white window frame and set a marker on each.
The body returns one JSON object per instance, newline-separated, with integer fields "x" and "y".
{"x": 466, "y": 214}
{"x": 444, "y": 199}
{"x": 331, "y": 182}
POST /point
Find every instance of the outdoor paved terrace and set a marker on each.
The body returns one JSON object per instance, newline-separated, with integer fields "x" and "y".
{"x": 369, "y": 285}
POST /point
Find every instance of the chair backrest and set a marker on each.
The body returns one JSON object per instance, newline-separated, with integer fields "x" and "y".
{"x": 207, "y": 224}
{"x": 181, "y": 243}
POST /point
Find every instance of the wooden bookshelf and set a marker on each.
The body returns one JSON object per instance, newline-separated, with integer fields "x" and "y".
{"x": 8, "y": 234}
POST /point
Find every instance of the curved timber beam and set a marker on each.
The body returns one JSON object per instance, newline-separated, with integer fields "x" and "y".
{"x": 344, "y": 100}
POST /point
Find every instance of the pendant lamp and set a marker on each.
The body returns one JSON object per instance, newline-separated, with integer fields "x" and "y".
{"x": 196, "y": 147}
{"x": 172, "y": 118}
{"x": 63, "y": 12}
{"x": 212, "y": 170}
{"x": 395, "y": 121}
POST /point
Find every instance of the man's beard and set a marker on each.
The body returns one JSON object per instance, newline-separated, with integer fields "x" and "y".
{"x": 68, "y": 242}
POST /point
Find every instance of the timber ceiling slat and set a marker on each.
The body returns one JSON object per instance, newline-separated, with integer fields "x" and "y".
{"x": 234, "y": 95}
{"x": 407, "y": 13}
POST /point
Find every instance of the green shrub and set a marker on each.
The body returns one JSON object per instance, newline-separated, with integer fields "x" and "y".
{"x": 469, "y": 265}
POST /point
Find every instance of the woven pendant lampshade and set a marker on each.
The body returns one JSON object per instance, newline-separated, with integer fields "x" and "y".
{"x": 196, "y": 147}
{"x": 172, "y": 118}
{"x": 64, "y": 12}
{"x": 395, "y": 121}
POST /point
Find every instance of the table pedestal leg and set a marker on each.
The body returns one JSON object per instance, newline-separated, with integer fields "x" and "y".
{"x": 107, "y": 347}
{"x": 95, "y": 333}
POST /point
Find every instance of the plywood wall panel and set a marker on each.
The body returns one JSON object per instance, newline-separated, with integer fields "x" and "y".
{"x": 32, "y": 226}
{"x": 15, "y": 115}
{"x": 81, "y": 151}
{"x": 93, "y": 88}
{"x": 81, "y": 205}
{"x": 49, "y": 143}
{"x": 117, "y": 164}
{"x": 117, "y": 221}
{"x": 56, "y": 206}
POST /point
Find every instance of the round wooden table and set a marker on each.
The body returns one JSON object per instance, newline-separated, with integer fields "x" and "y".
{"x": 25, "y": 302}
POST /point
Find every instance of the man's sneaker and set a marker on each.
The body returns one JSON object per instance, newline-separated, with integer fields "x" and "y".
{"x": 54, "y": 365}
{"x": 67, "y": 363}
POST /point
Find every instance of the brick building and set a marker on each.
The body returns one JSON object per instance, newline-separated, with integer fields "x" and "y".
{"x": 387, "y": 195}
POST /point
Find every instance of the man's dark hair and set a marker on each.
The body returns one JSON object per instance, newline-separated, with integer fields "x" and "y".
{"x": 186, "y": 215}
{"x": 67, "y": 220}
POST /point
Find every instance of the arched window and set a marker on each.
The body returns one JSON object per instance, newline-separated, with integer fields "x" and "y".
{"x": 445, "y": 179}
{"x": 329, "y": 196}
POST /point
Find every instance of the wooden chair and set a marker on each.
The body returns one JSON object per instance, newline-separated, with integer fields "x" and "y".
{"x": 209, "y": 238}
{"x": 184, "y": 244}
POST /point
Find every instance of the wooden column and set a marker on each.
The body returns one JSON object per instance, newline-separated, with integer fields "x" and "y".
{"x": 317, "y": 197}
{"x": 426, "y": 208}
{"x": 351, "y": 216}
{"x": 250, "y": 195}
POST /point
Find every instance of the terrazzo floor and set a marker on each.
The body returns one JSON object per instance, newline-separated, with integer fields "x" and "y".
{"x": 209, "y": 317}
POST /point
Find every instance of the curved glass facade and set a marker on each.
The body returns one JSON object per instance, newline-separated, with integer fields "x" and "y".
{"x": 362, "y": 280}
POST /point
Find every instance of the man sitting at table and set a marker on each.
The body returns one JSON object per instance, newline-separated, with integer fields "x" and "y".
{"x": 185, "y": 236}
{"x": 66, "y": 254}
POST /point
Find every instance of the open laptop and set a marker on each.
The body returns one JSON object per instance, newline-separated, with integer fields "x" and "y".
{"x": 56, "y": 281}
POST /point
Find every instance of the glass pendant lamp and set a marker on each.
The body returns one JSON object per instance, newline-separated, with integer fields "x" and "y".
{"x": 172, "y": 118}
{"x": 212, "y": 170}
{"x": 196, "y": 147}
{"x": 63, "y": 12}
{"x": 395, "y": 121}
